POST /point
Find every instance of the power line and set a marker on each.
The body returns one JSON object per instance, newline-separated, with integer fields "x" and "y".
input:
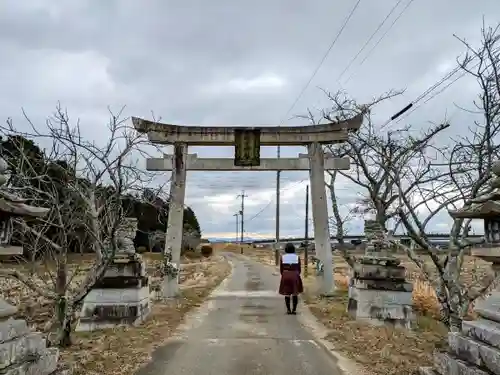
{"x": 339, "y": 33}
{"x": 278, "y": 150}
{"x": 430, "y": 89}
{"x": 271, "y": 201}
{"x": 436, "y": 85}
{"x": 433, "y": 96}
{"x": 261, "y": 211}
{"x": 369, "y": 39}
{"x": 382, "y": 37}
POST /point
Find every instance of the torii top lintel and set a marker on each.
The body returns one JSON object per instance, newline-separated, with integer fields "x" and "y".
{"x": 269, "y": 135}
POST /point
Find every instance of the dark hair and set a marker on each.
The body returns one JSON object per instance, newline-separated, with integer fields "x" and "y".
{"x": 289, "y": 248}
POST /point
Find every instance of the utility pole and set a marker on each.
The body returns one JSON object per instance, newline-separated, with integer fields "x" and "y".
{"x": 242, "y": 213}
{"x": 306, "y": 235}
{"x": 277, "y": 244}
{"x": 237, "y": 225}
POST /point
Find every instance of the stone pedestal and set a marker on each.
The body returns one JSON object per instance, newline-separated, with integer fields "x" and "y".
{"x": 170, "y": 282}
{"x": 120, "y": 298}
{"x": 473, "y": 351}
{"x": 378, "y": 291}
{"x": 22, "y": 351}
{"x": 476, "y": 349}
{"x": 379, "y": 294}
{"x": 169, "y": 287}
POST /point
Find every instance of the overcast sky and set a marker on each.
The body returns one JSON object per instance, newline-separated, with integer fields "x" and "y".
{"x": 231, "y": 63}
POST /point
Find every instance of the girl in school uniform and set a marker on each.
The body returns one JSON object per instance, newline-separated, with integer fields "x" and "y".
{"x": 291, "y": 282}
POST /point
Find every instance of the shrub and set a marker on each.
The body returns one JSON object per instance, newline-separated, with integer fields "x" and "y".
{"x": 207, "y": 250}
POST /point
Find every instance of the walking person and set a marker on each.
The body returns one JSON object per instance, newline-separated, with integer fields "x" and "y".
{"x": 291, "y": 282}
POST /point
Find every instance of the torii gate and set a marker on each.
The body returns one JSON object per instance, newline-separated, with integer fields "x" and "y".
{"x": 247, "y": 142}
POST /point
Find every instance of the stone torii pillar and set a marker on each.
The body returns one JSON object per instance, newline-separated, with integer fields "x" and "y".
{"x": 247, "y": 142}
{"x": 175, "y": 221}
{"x": 322, "y": 241}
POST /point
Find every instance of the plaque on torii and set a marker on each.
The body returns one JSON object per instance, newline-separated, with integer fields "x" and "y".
{"x": 247, "y": 142}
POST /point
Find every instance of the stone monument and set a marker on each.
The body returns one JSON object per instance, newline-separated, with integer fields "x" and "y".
{"x": 121, "y": 297}
{"x": 378, "y": 291}
{"x": 21, "y": 350}
{"x": 476, "y": 349}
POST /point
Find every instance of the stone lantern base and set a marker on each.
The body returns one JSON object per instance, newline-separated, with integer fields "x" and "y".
{"x": 476, "y": 349}
{"x": 122, "y": 297}
{"x": 379, "y": 294}
{"x": 23, "y": 351}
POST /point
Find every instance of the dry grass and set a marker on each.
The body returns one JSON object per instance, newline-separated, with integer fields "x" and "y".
{"x": 124, "y": 350}
{"x": 383, "y": 351}
{"x": 37, "y": 310}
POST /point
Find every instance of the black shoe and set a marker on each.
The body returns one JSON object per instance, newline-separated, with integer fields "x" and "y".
{"x": 289, "y": 312}
{"x": 294, "y": 313}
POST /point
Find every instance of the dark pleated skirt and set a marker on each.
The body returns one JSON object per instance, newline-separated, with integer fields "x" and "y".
{"x": 291, "y": 283}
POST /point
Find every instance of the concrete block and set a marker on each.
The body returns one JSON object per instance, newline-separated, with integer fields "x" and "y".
{"x": 377, "y": 272}
{"x": 447, "y": 364}
{"x": 380, "y": 307}
{"x": 115, "y": 271}
{"x": 377, "y": 259}
{"x": 6, "y": 309}
{"x": 104, "y": 315}
{"x": 117, "y": 296}
{"x": 16, "y": 350}
{"x": 44, "y": 364}
{"x": 383, "y": 313}
{"x": 483, "y": 330}
{"x": 489, "y": 308}
{"x": 474, "y": 352}
{"x": 390, "y": 285}
{"x": 12, "y": 328}
{"x": 380, "y": 297}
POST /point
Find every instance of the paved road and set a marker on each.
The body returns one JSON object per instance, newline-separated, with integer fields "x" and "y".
{"x": 245, "y": 332}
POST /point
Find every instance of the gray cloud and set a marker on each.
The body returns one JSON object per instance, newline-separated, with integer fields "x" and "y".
{"x": 225, "y": 62}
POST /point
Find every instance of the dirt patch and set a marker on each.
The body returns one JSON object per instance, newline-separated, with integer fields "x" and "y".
{"x": 38, "y": 310}
{"x": 254, "y": 318}
{"x": 256, "y": 307}
{"x": 252, "y": 285}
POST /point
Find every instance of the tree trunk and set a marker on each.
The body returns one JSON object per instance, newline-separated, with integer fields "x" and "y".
{"x": 381, "y": 218}
{"x": 62, "y": 313}
{"x": 450, "y": 307}
{"x": 339, "y": 225}
{"x": 63, "y": 323}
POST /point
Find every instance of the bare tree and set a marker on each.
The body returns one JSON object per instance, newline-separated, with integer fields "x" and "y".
{"x": 468, "y": 166}
{"x": 338, "y": 221}
{"x": 84, "y": 183}
{"x": 372, "y": 151}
